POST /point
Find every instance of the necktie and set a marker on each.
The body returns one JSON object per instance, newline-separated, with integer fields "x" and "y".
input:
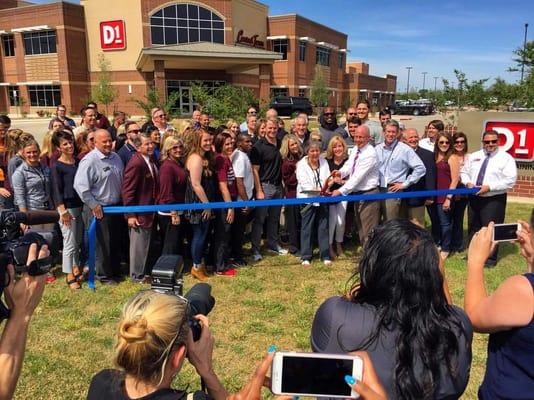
{"x": 354, "y": 162}
{"x": 482, "y": 172}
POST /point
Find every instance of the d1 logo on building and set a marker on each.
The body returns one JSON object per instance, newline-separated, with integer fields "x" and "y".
{"x": 515, "y": 137}
{"x": 112, "y": 35}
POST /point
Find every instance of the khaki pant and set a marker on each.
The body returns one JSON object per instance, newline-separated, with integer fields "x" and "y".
{"x": 366, "y": 216}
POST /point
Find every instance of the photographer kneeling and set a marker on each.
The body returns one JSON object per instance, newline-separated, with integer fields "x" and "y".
{"x": 153, "y": 339}
{"x": 22, "y": 297}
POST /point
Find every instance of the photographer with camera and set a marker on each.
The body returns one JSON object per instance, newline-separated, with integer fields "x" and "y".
{"x": 22, "y": 297}
{"x": 153, "y": 339}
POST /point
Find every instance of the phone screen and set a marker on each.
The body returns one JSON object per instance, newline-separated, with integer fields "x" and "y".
{"x": 505, "y": 232}
{"x": 317, "y": 376}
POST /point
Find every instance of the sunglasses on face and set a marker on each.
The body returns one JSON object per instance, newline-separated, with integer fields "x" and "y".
{"x": 459, "y": 141}
{"x": 353, "y": 113}
{"x": 443, "y": 142}
{"x": 329, "y": 113}
{"x": 177, "y": 147}
{"x": 160, "y": 116}
{"x": 490, "y": 141}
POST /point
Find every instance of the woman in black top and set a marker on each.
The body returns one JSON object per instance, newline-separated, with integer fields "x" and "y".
{"x": 68, "y": 205}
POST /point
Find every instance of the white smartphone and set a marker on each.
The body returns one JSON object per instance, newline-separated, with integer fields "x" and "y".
{"x": 505, "y": 232}
{"x": 314, "y": 375}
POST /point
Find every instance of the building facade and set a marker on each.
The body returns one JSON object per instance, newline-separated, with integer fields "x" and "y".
{"x": 54, "y": 53}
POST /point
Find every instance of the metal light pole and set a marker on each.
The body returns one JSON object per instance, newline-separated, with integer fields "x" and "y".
{"x": 435, "y": 83}
{"x": 408, "y": 83}
{"x": 524, "y": 49}
{"x": 424, "y": 79}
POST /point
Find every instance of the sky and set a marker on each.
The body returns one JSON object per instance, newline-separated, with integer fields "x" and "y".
{"x": 474, "y": 36}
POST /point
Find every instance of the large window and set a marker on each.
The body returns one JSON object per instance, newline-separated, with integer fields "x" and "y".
{"x": 9, "y": 45}
{"x": 43, "y": 42}
{"x": 186, "y": 23}
{"x": 275, "y": 92}
{"x": 322, "y": 56}
{"x": 44, "y": 95}
{"x": 14, "y": 95}
{"x": 302, "y": 92}
{"x": 302, "y": 50}
{"x": 281, "y": 46}
{"x": 340, "y": 60}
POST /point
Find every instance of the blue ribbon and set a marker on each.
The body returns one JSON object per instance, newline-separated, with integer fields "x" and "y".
{"x": 256, "y": 203}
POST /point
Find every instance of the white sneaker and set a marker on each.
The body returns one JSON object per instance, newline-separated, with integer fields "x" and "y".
{"x": 257, "y": 257}
{"x": 327, "y": 262}
{"x": 305, "y": 263}
{"x": 279, "y": 250}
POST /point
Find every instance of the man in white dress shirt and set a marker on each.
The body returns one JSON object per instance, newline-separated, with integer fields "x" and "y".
{"x": 360, "y": 174}
{"x": 493, "y": 171}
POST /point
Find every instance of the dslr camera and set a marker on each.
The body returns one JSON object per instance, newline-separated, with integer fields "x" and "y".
{"x": 167, "y": 277}
{"x": 14, "y": 246}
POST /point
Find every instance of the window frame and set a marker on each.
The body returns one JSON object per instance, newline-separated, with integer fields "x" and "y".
{"x": 41, "y": 95}
{"x": 340, "y": 59}
{"x": 8, "y": 45}
{"x": 280, "y": 46}
{"x": 11, "y": 98}
{"x": 322, "y": 56}
{"x": 35, "y": 42}
{"x": 302, "y": 50}
{"x": 186, "y": 23}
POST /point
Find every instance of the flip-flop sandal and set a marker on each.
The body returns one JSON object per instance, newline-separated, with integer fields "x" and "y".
{"x": 71, "y": 282}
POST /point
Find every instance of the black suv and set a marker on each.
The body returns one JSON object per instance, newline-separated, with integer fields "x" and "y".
{"x": 412, "y": 107}
{"x": 287, "y": 105}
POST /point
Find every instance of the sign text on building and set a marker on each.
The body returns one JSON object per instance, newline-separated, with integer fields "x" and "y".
{"x": 249, "y": 41}
{"x": 515, "y": 137}
{"x": 112, "y": 35}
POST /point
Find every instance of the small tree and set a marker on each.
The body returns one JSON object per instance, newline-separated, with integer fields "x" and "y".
{"x": 319, "y": 92}
{"x": 152, "y": 100}
{"x": 224, "y": 102}
{"x": 103, "y": 92}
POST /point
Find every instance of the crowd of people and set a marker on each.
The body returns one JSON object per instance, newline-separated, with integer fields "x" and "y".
{"x": 78, "y": 170}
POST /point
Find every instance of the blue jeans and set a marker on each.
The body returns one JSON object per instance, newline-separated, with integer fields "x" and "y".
{"x": 315, "y": 217}
{"x": 458, "y": 212}
{"x": 200, "y": 232}
{"x": 445, "y": 224}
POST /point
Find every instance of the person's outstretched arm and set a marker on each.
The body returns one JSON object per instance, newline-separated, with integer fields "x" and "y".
{"x": 22, "y": 297}
{"x": 498, "y": 311}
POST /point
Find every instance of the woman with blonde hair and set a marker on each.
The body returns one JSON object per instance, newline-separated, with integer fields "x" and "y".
{"x": 291, "y": 152}
{"x": 85, "y": 142}
{"x": 336, "y": 155}
{"x": 261, "y": 129}
{"x": 172, "y": 187}
{"x": 233, "y": 126}
{"x": 49, "y": 154}
{"x": 152, "y": 341}
{"x": 201, "y": 188}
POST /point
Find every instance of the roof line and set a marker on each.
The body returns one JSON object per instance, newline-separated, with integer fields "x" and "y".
{"x": 309, "y": 20}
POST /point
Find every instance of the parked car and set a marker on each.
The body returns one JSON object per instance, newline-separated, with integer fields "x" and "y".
{"x": 517, "y": 106}
{"x": 416, "y": 107}
{"x": 287, "y": 105}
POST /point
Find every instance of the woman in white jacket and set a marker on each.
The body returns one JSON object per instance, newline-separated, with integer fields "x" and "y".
{"x": 312, "y": 174}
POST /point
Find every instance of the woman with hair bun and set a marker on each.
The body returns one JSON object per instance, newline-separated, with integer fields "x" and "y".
{"x": 152, "y": 340}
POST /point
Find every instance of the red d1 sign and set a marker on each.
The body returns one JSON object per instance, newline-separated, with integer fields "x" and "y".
{"x": 112, "y": 35}
{"x": 515, "y": 137}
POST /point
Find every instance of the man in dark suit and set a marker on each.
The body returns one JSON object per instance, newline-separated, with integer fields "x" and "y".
{"x": 414, "y": 208}
{"x": 140, "y": 187}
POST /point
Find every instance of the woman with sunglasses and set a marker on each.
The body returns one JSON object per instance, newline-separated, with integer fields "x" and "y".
{"x": 448, "y": 177}
{"x": 460, "y": 201}
{"x": 172, "y": 186}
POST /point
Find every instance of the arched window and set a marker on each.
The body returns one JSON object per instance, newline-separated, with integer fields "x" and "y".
{"x": 186, "y": 23}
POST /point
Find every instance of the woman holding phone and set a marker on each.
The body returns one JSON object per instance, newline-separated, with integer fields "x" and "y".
{"x": 509, "y": 367}
{"x": 421, "y": 346}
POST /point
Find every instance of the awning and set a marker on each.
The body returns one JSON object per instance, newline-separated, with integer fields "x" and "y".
{"x": 205, "y": 55}
{"x": 32, "y": 28}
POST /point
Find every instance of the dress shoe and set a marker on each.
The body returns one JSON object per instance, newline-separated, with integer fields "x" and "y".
{"x": 199, "y": 273}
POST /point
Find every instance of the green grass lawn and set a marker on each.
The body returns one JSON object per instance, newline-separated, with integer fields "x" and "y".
{"x": 271, "y": 302}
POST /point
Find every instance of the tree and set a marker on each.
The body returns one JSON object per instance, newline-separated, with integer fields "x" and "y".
{"x": 319, "y": 92}
{"x": 224, "y": 102}
{"x": 153, "y": 100}
{"x": 103, "y": 92}
{"x": 525, "y": 58}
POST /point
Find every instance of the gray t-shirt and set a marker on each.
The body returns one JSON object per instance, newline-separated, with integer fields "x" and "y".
{"x": 341, "y": 326}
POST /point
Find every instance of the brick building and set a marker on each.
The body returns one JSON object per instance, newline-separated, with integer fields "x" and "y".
{"x": 51, "y": 53}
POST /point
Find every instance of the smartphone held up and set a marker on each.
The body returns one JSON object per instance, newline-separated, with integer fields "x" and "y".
{"x": 505, "y": 232}
{"x": 314, "y": 375}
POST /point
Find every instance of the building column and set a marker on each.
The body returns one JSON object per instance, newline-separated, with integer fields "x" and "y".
{"x": 159, "y": 78}
{"x": 265, "y": 83}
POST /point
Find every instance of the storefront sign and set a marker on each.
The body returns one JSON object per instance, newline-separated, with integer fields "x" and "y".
{"x": 249, "y": 41}
{"x": 515, "y": 137}
{"x": 112, "y": 35}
